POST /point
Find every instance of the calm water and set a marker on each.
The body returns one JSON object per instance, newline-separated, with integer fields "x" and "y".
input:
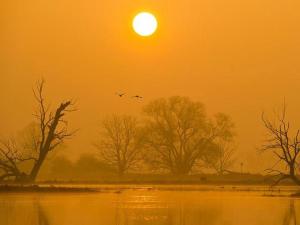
{"x": 147, "y": 207}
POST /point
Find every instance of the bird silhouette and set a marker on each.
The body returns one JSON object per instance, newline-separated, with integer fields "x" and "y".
{"x": 137, "y": 96}
{"x": 120, "y": 94}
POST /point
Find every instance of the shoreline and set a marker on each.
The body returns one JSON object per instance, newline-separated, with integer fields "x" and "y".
{"x": 287, "y": 191}
{"x": 43, "y": 189}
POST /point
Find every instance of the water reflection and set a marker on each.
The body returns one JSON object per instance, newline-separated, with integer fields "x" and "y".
{"x": 42, "y": 218}
{"x": 290, "y": 217}
{"x": 147, "y": 209}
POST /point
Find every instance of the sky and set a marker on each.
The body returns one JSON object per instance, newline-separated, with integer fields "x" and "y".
{"x": 237, "y": 57}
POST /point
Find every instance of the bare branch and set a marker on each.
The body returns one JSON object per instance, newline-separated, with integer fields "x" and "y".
{"x": 282, "y": 144}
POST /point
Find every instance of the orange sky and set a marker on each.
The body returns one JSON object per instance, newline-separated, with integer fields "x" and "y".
{"x": 237, "y": 57}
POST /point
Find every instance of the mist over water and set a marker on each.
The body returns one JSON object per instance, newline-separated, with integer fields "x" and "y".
{"x": 145, "y": 207}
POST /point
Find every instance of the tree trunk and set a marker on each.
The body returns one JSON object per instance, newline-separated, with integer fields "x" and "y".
{"x": 293, "y": 175}
{"x": 36, "y": 168}
{"x": 292, "y": 170}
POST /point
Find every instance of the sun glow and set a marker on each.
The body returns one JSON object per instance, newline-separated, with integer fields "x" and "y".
{"x": 144, "y": 24}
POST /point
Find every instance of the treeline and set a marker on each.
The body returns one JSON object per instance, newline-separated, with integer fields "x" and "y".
{"x": 86, "y": 168}
{"x": 175, "y": 135}
{"x": 172, "y": 135}
{"x": 90, "y": 169}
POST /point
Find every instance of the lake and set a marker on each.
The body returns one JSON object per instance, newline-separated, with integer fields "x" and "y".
{"x": 147, "y": 206}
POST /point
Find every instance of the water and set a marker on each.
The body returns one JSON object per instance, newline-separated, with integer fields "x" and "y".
{"x": 147, "y": 207}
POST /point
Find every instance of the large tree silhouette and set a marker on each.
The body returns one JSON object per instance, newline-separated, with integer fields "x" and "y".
{"x": 178, "y": 133}
{"x": 51, "y": 131}
{"x": 120, "y": 142}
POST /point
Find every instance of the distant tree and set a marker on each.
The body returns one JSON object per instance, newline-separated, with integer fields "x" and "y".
{"x": 221, "y": 158}
{"x": 59, "y": 167}
{"x": 283, "y": 144}
{"x": 88, "y": 167}
{"x": 120, "y": 143}
{"x": 179, "y": 132}
{"x": 49, "y": 132}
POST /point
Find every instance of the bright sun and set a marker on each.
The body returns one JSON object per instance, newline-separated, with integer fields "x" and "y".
{"x": 144, "y": 24}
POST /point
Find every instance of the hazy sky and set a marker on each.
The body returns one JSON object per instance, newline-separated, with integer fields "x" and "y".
{"x": 237, "y": 57}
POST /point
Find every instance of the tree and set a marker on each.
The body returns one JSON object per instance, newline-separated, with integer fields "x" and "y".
{"x": 178, "y": 133}
{"x": 58, "y": 167}
{"x": 120, "y": 142}
{"x": 283, "y": 144}
{"x": 88, "y": 167}
{"x": 221, "y": 158}
{"x": 50, "y": 131}
{"x": 10, "y": 159}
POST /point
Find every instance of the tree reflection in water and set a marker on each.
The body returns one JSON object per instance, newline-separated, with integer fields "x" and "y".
{"x": 42, "y": 218}
{"x": 290, "y": 217}
{"x": 149, "y": 211}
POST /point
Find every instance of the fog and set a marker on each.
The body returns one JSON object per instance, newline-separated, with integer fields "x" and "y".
{"x": 239, "y": 58}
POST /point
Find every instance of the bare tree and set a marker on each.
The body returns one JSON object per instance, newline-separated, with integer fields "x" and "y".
{"x": 120, "y": 142}
{"x": 178, "y": 133}
{"x": 283, "y": 145}
{"x": 51, "y": 131}
{"x": 10, "y": 159}
{"x": 221, "y": 158}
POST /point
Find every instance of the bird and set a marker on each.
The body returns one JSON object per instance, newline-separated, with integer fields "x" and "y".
{"x": 137, "y": 96}
{"x": 120, "y": 94}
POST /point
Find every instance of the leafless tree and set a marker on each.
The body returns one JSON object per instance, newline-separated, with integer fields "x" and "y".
{"x": 51, "y": 131}
{"x": 283, "y": 144}
{"x": 222, "y": 157}
{"x": 10, "y": 159}
{"x": 120, "y": 142}
{"x": 178, "y": 133}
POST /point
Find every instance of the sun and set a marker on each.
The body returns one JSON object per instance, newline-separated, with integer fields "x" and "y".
{"x": 144, "y": 24}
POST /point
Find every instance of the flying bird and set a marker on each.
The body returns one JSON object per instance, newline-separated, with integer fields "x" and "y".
{"x": 137, "y": 96}
{"x": 120, "y": 94}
